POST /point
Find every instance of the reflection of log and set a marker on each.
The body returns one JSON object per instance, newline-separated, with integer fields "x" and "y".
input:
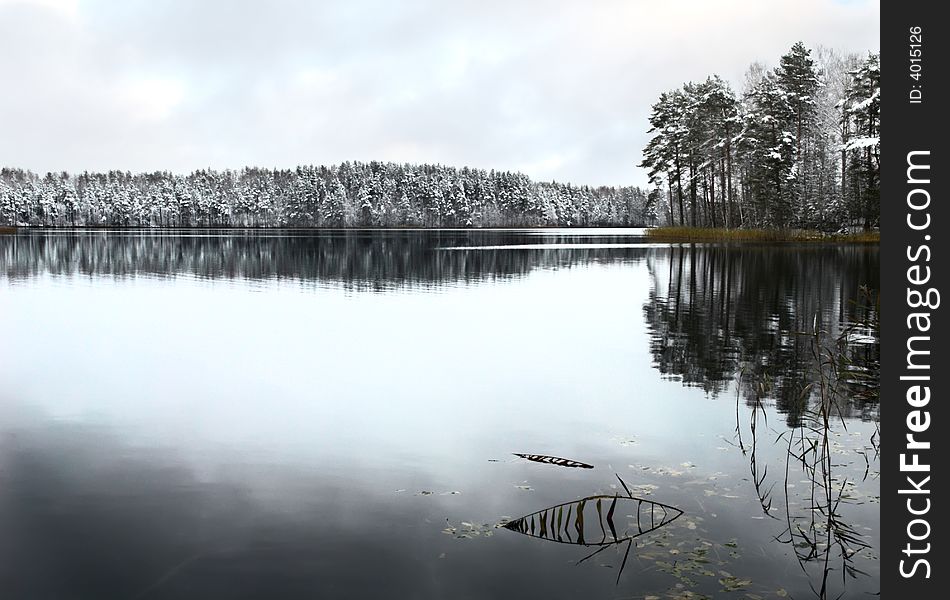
{"x": 554, "y": 460}
{"x": 555, "y": 524}
{"x": 594, "y": 520}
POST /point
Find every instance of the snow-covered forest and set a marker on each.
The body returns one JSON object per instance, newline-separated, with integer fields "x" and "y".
{"x": 799, "y": 147}
{"x": 351, "y": 194}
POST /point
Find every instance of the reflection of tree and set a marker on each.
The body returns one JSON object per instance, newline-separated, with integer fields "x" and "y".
{"x": 351, "y": 258}
{"x": 715, "y": 311}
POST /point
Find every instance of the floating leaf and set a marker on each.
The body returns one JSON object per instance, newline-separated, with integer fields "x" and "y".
{"x": 732, "y": 584}
{"x": 469, "y": 530}
{"x": 644, "y": 489}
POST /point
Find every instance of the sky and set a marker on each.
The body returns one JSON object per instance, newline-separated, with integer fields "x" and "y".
{"x": 560, "y": 90}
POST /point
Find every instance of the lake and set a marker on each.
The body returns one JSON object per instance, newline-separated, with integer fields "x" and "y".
{"x": 295, "y": 414}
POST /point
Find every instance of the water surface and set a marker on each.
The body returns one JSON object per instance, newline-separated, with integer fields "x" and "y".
{"x": 245, "y": 414}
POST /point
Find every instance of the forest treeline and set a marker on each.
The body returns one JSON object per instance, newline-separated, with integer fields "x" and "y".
{"x": 799, "y": 147}
{"x": 352, "y": 194}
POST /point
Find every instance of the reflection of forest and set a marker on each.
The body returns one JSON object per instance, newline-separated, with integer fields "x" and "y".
{"x": 716, "y": 311}
{"x": 713, "y": 311}
{"x": 350, "y": 258}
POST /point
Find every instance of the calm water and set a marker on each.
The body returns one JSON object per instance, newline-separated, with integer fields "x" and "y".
{"x": 299, "y": 415}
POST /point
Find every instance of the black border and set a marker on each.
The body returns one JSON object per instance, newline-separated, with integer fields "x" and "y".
{"x": 906, "y": 127}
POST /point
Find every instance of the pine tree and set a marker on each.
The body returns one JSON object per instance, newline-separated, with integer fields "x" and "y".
{"x": 863, "y": 103}
{"x": 663, "y": 154}
{"x": 799, "y": 80}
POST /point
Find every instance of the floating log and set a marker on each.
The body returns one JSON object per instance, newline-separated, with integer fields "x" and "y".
{"x": 554, "y": 460}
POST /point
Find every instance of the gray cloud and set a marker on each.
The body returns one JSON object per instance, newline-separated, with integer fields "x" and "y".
{"x": 560, "y": 90}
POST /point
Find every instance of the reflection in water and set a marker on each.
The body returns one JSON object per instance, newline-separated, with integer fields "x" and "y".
{"x": 795, "y": 326}
{"x": 817, "y": 528}
{"x": 717, "y": 311}
{"x": 351, "y": 258}
{"x": 821, "y": 527}
{"x": 86, "y": 516}
{"x": 574, "y": 522}
{"x": 818, "y": 531}
{"x": 758, "y": 470}
{"x": 279, "y": 456}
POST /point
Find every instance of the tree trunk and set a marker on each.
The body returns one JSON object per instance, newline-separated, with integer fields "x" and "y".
{"x": 729, "y": 176}
{"x": 722, "y": 193}
{"x": 669, "y": 190}
{"x": 692, "y": 190}
{"x": 679, "y": 183}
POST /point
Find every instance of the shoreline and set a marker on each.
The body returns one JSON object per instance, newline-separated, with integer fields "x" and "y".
{"x": 701, "y": 234}
{"x": 655, "y": 234}
{"x": 580, "y": 228}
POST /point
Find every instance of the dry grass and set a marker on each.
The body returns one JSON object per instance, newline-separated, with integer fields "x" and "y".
{"x": 702, "y": 234}
{"x": 7, "y": 229}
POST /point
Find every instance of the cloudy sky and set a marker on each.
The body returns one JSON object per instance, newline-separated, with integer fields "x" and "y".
{"x": 558, "y": 90}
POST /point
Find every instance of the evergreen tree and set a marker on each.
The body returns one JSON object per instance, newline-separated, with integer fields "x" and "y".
{"x": 863, "y": 106}
{"x": 771, "y": 158}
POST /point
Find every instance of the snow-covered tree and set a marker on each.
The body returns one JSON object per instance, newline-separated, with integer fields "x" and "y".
{"x": 771, "y": 157}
